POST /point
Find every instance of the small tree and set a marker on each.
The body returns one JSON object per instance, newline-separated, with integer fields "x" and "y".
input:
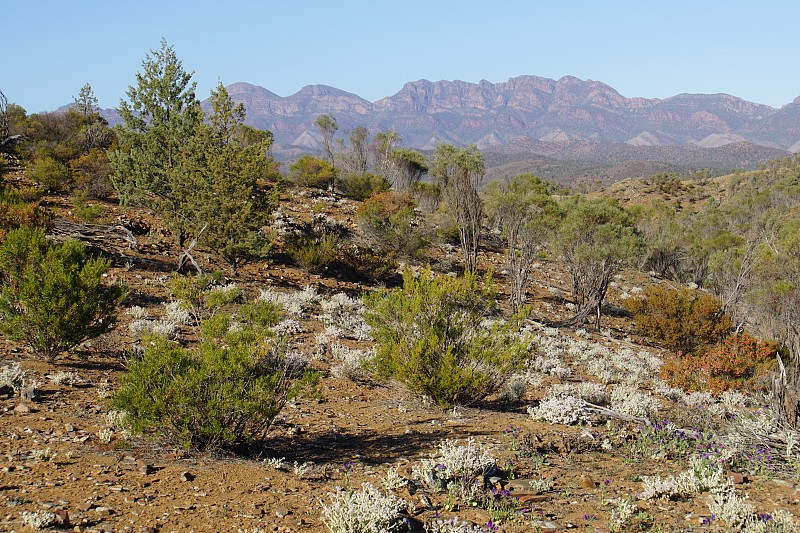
{"x": 525, "y": 212}
{"x": 408, "y": 168}
{"x": 596, "y": 238}
{"x": 433, "y": 336}
{"x": 159, "y": 121}
{"x": 227, "y": 201}
{"x": 51, "y": 294}
{"x": 327, "y": 127}
{"x": 459, "y": 171}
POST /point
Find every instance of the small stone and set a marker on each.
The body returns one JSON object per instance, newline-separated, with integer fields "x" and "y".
{"x": 586, "y": 482}
{"x": 545, "y": 525}
{"x": 737, "y": 478}
{"x": 85, "y": 506}
{"x": 62, "y": 516}
{"x": 103, "y": 511}
{"x": 23, "y": 409}
{"x": 282, "y": 512}
{"x": 145, "y": 469}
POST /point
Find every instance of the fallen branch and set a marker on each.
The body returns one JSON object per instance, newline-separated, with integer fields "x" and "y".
{"x": 96, "y": 234}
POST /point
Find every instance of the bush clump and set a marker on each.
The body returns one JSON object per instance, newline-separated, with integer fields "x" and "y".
{"x": 740, "y": 362}
{"x": 222, "y": 395}
{"x": 386, "y": 219}
{"x": 361, "y": 186}
{"x": 51, "y": 295}
{"x": 683, "y": 320}
{"x": 436, "y": 337}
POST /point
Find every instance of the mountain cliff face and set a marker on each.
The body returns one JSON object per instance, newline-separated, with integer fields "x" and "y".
{"x": 541, "y": 109}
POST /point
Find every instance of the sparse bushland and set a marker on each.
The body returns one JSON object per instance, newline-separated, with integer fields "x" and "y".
{"x": 361, "y": 186}
{"x": 441, "y": 338}
{"x": 220, "y": 395}
{"x": 52, "y": 295}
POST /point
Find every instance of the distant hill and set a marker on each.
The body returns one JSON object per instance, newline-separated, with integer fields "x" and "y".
{"x": 529, "y": 118}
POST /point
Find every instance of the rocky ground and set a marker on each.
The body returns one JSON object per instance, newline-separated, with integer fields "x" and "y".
{"x": 62, "y": 453}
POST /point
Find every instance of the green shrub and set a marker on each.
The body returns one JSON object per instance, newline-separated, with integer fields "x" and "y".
{"x": 314, "y": 252}
{"x": 20, "y": 207}
{"x": 432, "y": 335}
{"x": 51, "y": 294}
{"x": 683, "y": 320}
{"x": 203, "y": 295}
{"x": 386, "y": 219}
{"x": 308, "y": 171}
{"x": 223, "y": 394}
{"x": 50, "y": 174}
{"x": 361, "y": 186}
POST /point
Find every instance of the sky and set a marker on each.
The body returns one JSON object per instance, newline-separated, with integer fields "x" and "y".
{"x": 371, "y": 48}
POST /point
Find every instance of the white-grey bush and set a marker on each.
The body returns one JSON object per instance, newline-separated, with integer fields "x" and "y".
{"x": 454, "y": 525}
{"x": 12, "y": 376}
{"x": 628, "y": 400}
{"x": 350, "y": 362}
{"x": 559, "y": 409}
{"x": 454, "y": 462}
{"x": 38, "y": 520}
{"x": 362, "y": 511}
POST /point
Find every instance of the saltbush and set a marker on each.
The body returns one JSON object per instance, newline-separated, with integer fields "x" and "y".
{"x": 51, "y": 295}
{"x": 432, "y": 335}
{"x": 683, "y": 320}
{"x": 223, "y": 394}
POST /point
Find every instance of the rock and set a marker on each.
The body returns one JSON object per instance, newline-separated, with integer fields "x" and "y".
{"x": 187, "y": 476}
{"x": 737, "y": 478}
{"x": 23, "y": 409}
{"x": 145, "y": 468}
{"x": 103, "y": 511}
{"x": 586, "y": 482}
{"x": 796, "y": 495}
{"x": 62, "y": 516}
{"x": 545, "y": 525}
{"x": 282, "y": 512}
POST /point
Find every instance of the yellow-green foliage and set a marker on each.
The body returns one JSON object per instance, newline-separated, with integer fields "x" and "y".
{"x": 223, "y": 394}
{"x": 433, "y": 336}
{"x": 51, "y": 295}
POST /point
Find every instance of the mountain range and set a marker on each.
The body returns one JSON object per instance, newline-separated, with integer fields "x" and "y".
{"x": 532, "y": 123}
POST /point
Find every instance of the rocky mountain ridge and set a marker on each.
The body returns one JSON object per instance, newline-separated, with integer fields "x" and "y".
{"x": 540, "y": 109}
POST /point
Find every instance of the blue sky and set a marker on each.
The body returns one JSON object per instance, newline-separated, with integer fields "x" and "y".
{"x": 642, "y": 48}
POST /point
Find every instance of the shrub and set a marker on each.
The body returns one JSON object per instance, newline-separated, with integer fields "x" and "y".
{"x": 361, "y": 186}
{"x": 308, "y": 171}
{"x": 363, "y": 511}
{"x": 432, "y": 335}
{"x": 386, "y": 219}
{"x": 461, "y": 464}
{"x": 51, "y": 294}
{"x": 738, "y": 362}
{"x": 683, "y": 320}
{"x": 20, "y": 207}
{"x": 314, "y": 252}
{"x": 224, "y": 394}
{"x": 50, "y": 174}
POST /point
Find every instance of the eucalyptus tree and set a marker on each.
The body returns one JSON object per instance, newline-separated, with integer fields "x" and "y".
{"x": 459, "y": 171}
